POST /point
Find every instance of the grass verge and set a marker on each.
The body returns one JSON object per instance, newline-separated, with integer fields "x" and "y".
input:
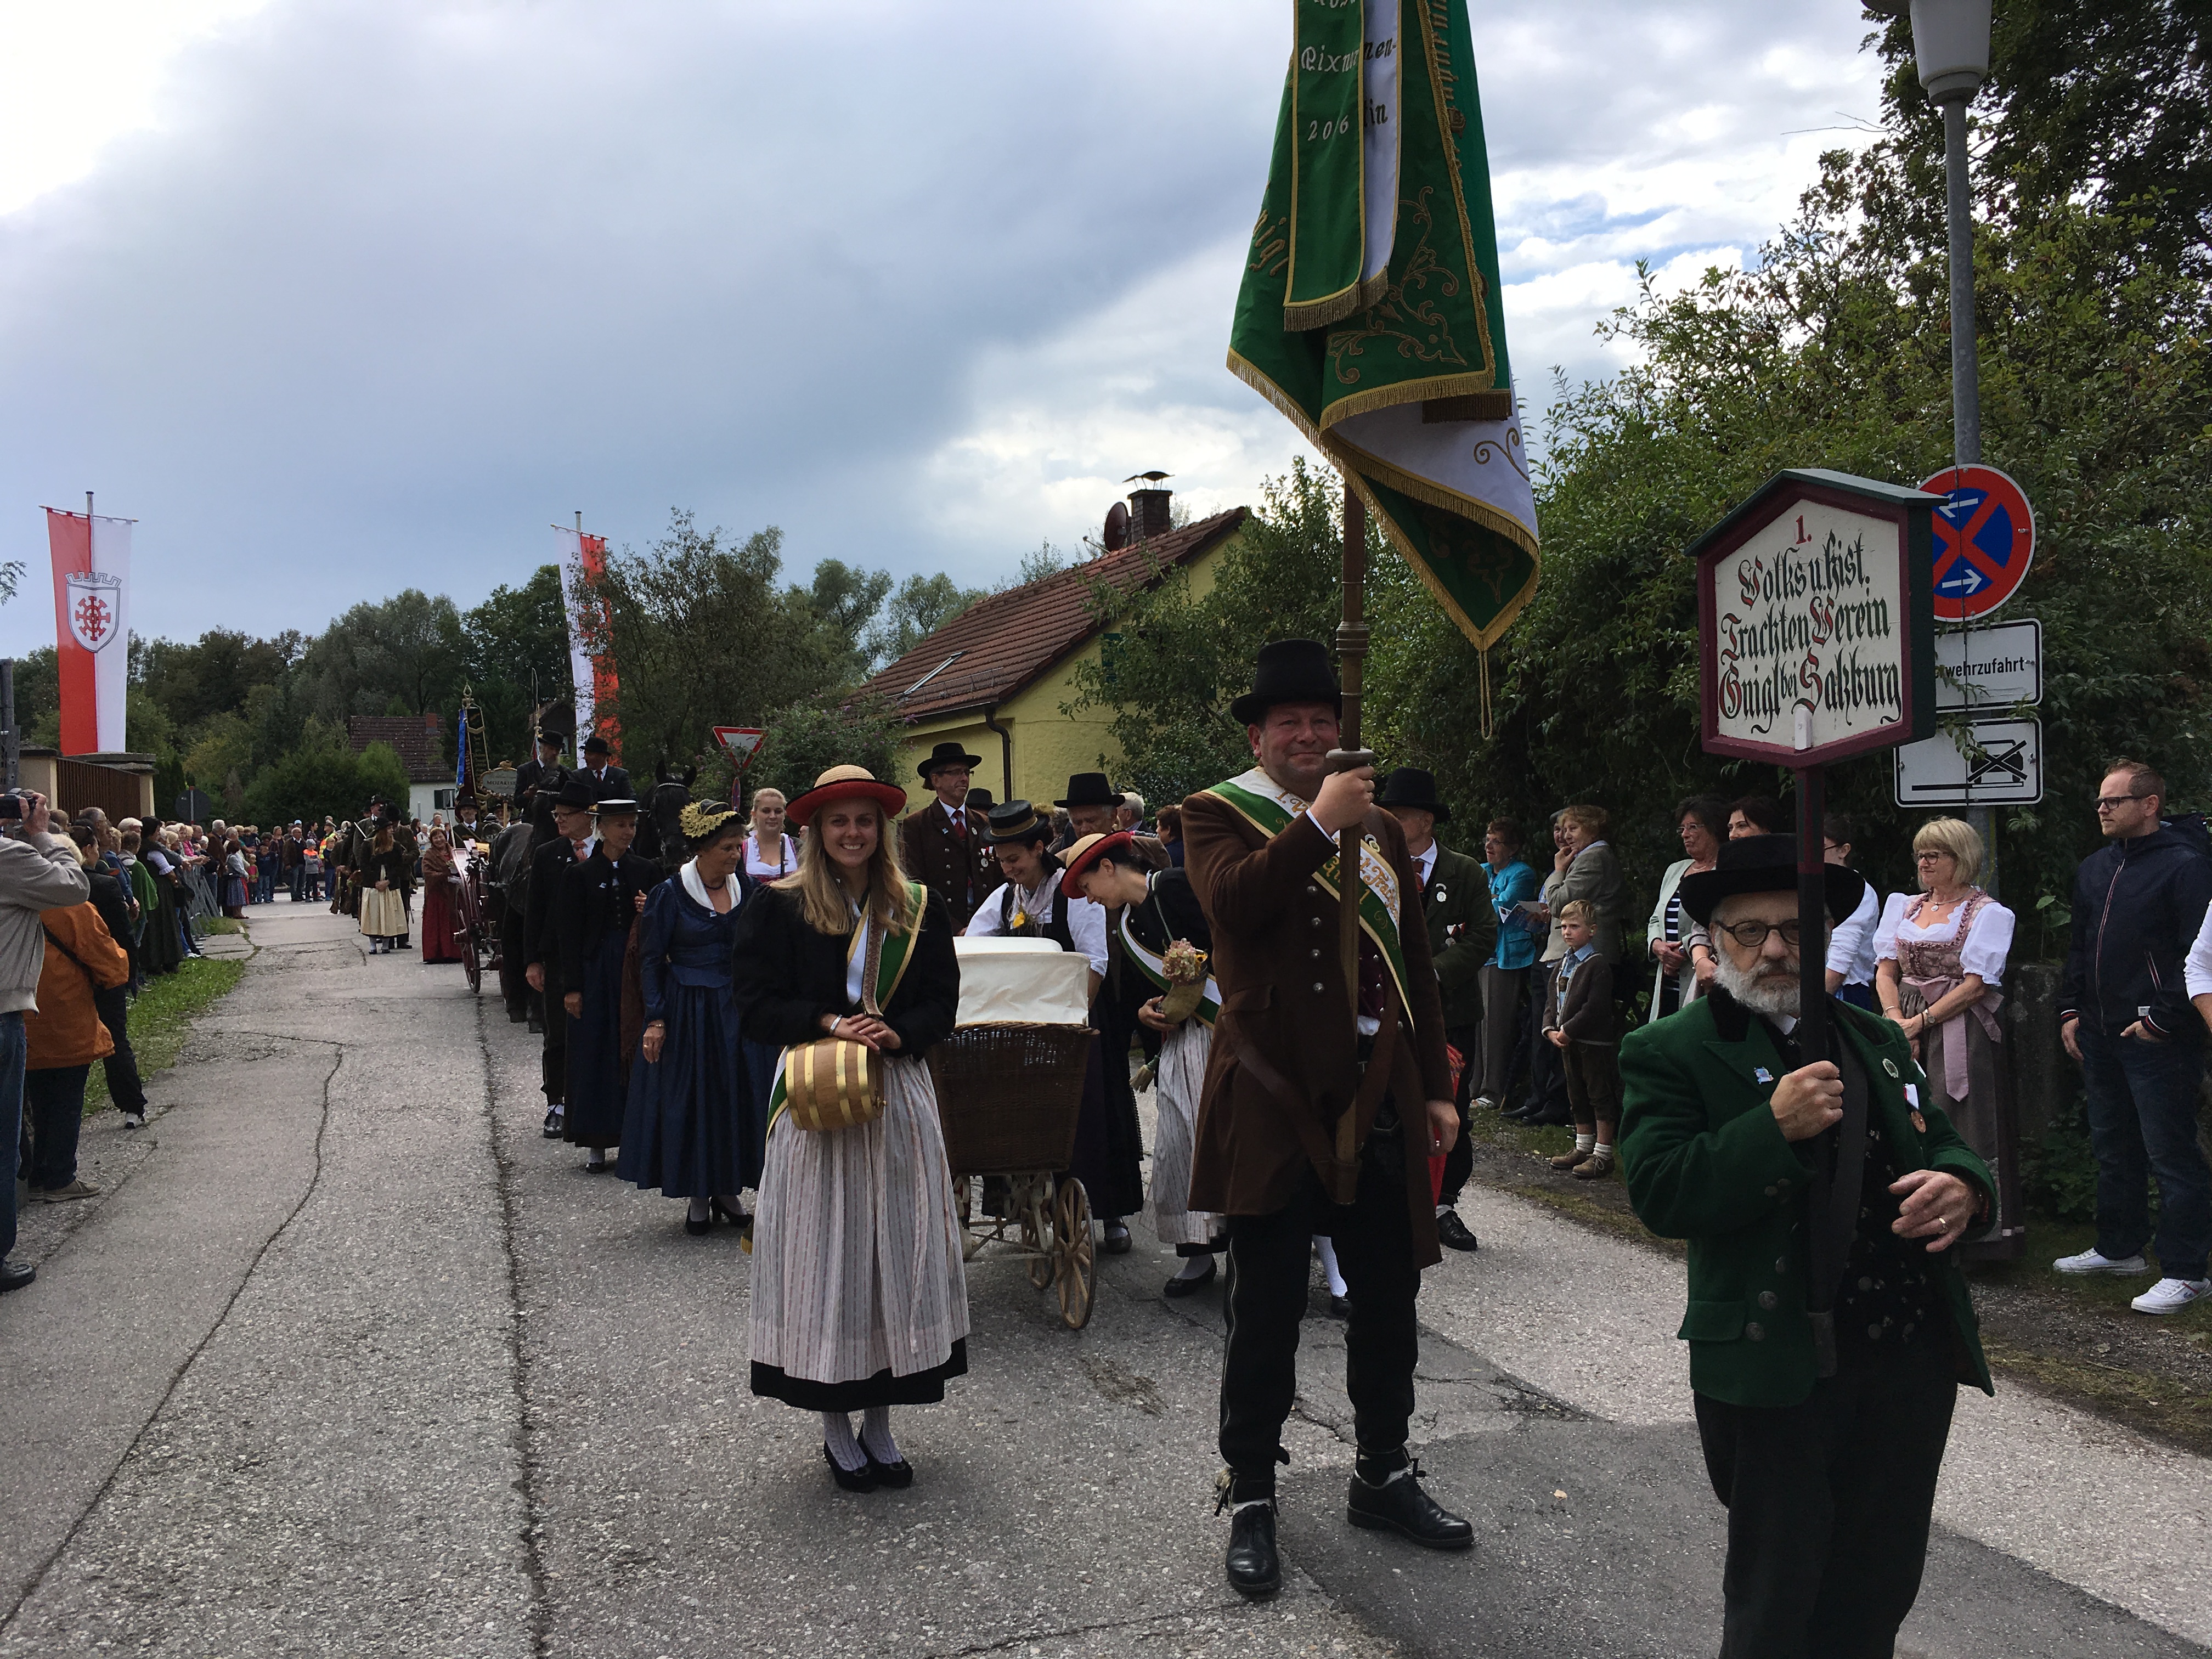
{"x": 222, "y": 925}
{"x": 162, "y": 1017}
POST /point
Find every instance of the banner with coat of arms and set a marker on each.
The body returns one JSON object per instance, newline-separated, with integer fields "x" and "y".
{"x": 92, "y": 628}
{"x": 1369, "y": 312}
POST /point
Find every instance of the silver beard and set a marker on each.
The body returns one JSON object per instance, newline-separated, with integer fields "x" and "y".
{"x": 1763, "y": 993}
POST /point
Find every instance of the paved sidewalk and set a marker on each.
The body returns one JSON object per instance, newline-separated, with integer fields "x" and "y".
{"x": 355, "y": 1362}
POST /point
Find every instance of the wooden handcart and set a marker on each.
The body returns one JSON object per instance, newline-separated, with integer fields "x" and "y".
{"x": 1009, "y": 1093}
{"x": 475, "y": 929}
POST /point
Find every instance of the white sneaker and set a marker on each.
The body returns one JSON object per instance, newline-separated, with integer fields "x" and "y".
{"x": 2091, "y": 1260}
{"x": 2170, "y": 1295}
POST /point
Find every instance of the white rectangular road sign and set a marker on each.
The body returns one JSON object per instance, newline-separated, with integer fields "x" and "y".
{"x": 1994, "y": 668}
{"x": 2002, "y": 765}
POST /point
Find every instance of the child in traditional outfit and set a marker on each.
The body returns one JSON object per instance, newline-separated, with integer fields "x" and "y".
{"x": 1582, "y": 1023}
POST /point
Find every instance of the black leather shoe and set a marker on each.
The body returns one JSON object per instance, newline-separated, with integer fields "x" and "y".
{"x": 860, "y": 1480}
{"x": 700, "y": 1228}
{"x": 897, "y": 1475}
{"x": 1340, "y": 1307}
{"x": 1400, "y": 1506}
{"x": 1545, "y": 1119}
{"x": 720, "y": 1212}
{"x": 1254, "y": 1567}
{"x": 1452, "y": 1232}
{"x": 597, "y": 1164}
{"x": 1116, "y": 1240}
{"x": 1182, "y": 1286}
{"x": 13, "y": 1275}
{"x": 553, "y": 1124}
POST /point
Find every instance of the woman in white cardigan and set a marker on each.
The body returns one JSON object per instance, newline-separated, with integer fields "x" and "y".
{"x": 1702, "y": 822}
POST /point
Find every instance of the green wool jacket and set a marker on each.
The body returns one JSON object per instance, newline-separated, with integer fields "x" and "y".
{"x": 1457, "y": 896}
{"x": 1705, "y": 1161}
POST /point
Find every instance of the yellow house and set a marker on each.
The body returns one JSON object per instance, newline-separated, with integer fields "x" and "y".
{"x": 995, "y": 676}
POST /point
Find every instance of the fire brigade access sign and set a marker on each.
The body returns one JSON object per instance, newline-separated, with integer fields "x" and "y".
{"x": 1815, "y": 620}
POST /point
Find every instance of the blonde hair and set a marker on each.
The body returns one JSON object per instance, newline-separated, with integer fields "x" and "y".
{"x": 1955, "y": 836}
{"x": 1592, "y": 818}
{"x": 823, "y": 897}
{"x": 1580, "y": 910}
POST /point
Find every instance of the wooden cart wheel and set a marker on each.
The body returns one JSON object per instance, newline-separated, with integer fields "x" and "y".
{"x": 1075, "y": 1258}
{"x": 1037, "y": 1233}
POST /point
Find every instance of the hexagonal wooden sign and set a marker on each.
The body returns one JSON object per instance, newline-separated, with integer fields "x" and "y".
{"x": 1816, "y": 622}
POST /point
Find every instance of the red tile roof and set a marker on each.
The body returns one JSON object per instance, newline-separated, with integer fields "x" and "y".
{"x": 419, "y": 738}
{"x": 997, "y": 645}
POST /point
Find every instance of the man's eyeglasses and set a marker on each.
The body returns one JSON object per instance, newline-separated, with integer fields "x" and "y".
{"x": 1752, "y": 934}
{"x": 2114, "y": 803}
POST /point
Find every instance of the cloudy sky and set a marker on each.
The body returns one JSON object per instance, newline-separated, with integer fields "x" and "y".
{"x": 340, "y": 297}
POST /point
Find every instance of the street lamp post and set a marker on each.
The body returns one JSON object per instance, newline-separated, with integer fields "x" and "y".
{"x": 1951, "y": 50}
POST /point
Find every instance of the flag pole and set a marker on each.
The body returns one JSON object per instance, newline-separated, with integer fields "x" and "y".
{"x": 1352, "y": 666}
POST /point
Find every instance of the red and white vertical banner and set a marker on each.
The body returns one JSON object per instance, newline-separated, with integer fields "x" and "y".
{"x": 92, "y": 628}
{"x": 582, "y": 559}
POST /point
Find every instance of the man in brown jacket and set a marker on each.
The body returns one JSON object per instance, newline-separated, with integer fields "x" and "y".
{"x": 1319, "y": 1115}
{"x": 946, "y": 845}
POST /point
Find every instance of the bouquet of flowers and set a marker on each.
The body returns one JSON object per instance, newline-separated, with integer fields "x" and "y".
{"x": 1185, "y": 967}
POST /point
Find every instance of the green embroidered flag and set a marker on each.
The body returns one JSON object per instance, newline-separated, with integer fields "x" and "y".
{"x": 1369, "y": 312}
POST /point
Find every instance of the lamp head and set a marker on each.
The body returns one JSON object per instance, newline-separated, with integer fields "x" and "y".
{"x": 1951, "y": 46}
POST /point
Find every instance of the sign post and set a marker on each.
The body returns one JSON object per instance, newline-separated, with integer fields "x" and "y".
{"x": 1815, "y": 640}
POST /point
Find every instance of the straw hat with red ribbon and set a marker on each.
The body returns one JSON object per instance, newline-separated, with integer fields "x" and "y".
{"x": 846, "y": 783}
{"x": 1077, "y": 859}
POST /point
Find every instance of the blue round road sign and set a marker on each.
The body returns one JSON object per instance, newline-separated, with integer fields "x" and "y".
{"x": 1984, "y": 539}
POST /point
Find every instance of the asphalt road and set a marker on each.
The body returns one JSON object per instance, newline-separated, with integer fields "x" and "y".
{"x": 351, "y": 1360}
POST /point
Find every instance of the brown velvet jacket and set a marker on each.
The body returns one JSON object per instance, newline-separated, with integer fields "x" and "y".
{"x": 1284, "y": 1048}
{"x": 934, "y": 856}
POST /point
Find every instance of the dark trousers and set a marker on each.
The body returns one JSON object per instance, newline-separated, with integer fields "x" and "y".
{"x": 1828, "y": 1504}
{"x": 1501, "y": 1025}
{"x": 1459, "y": 1163}
{"x": 53, "y": 1112}
{"x": 1547, "y": 1073}
{"x": 1593, "y": 1074}
{"x": 123, "y": 1086}
{"x": 1268, "y": 1257}
{"x": 2142, "y": 1121}
{"x": 513, "y": 983}
{"x": 554, "y": 1064}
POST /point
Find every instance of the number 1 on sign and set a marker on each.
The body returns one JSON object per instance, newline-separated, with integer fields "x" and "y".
{"x": 1802, "y": 537}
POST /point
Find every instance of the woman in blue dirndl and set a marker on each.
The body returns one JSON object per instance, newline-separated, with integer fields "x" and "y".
{"x": 695, "y": 1125}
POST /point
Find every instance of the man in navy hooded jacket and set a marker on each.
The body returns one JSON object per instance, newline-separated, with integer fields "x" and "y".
{"x": 2123, "y": 1012}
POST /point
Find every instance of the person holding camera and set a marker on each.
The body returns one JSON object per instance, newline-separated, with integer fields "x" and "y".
{"x": 38, "y": 871}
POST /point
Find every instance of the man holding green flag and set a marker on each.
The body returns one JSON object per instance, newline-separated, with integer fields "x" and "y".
{"x": 1369, "y": 312}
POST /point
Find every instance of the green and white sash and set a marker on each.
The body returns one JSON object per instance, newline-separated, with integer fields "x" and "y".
{"x": 1272, "y": 809}
{"x": 890, "y": 968}
{"x": 1155, "y": 969}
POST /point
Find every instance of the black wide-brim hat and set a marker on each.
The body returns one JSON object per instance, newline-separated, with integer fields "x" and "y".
{"x": 1410, "y": 787}
{"x": 1289, "y": 670}
{"x": 1016, "y": 820}
{"x": 948, "y": 754}
{"x": 1089, "y": 789}
{"x": 576, "y": 790}
{"x": 596, "y": 744}
{"x": 1765, "y": 864}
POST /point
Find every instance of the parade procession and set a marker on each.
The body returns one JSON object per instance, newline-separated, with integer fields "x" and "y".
{"x": 1474, "y": 1013}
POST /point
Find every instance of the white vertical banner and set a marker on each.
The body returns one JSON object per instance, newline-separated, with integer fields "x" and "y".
{"x": 580, "y": 659}
{"x": 111, "y": 677}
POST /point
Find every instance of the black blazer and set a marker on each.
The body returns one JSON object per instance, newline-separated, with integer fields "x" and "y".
{"x": 593, "y": 900}
{"x": 613, "y": 787}
{"x": 788, "y": 976}
{"x": 547, "y": 865}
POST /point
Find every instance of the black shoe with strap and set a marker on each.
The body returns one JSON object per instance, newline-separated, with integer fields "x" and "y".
{"x": 860, "y": 1480}
{"x": 1254, "y": 1567}
{"x": 1453, "y": 1233}
{"x": 1400, "y": 1505}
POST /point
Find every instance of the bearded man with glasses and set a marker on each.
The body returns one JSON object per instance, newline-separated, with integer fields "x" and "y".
{"x": 2124, "y": 1013}
{"x": 1829, "y": 1326}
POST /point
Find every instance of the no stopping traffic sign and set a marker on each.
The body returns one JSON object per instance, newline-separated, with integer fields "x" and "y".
{"x": 1984, "y": 539}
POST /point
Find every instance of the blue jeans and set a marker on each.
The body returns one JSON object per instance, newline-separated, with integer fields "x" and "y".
{"x": 2142, "y": 1120}
{"x": 12, "y": 1055}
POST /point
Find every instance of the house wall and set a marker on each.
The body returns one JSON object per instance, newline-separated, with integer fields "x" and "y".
{"x": 1048, "y": 746}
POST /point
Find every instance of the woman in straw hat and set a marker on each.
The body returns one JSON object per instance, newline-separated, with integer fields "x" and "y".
{"x": 859, "y": 1301}
{"x": 695, "y": 1125}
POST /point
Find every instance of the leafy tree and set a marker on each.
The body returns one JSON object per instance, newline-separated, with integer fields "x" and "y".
{"x": 224, "y": 745}
{"x": 518, "y": 657}
{"x": 918, "y": 607}
{"x": 324, "y": 776}
{"x": 39, "y": 698}
{"x": 844, "y": 600}
{"x": 409, "y": 650}
{"x": 809, "y": 738}
{"x": 213, "y": 675}
{"x": 702, "y": 636}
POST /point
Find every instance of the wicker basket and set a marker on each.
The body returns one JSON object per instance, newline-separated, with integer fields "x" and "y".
{"x": 1009, "y": 1095}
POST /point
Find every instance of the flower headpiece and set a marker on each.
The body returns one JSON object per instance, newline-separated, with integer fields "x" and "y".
{"x": 701, "y": 818}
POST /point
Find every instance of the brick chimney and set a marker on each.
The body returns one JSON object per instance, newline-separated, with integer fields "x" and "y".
{"x": 1148, "y": 512}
